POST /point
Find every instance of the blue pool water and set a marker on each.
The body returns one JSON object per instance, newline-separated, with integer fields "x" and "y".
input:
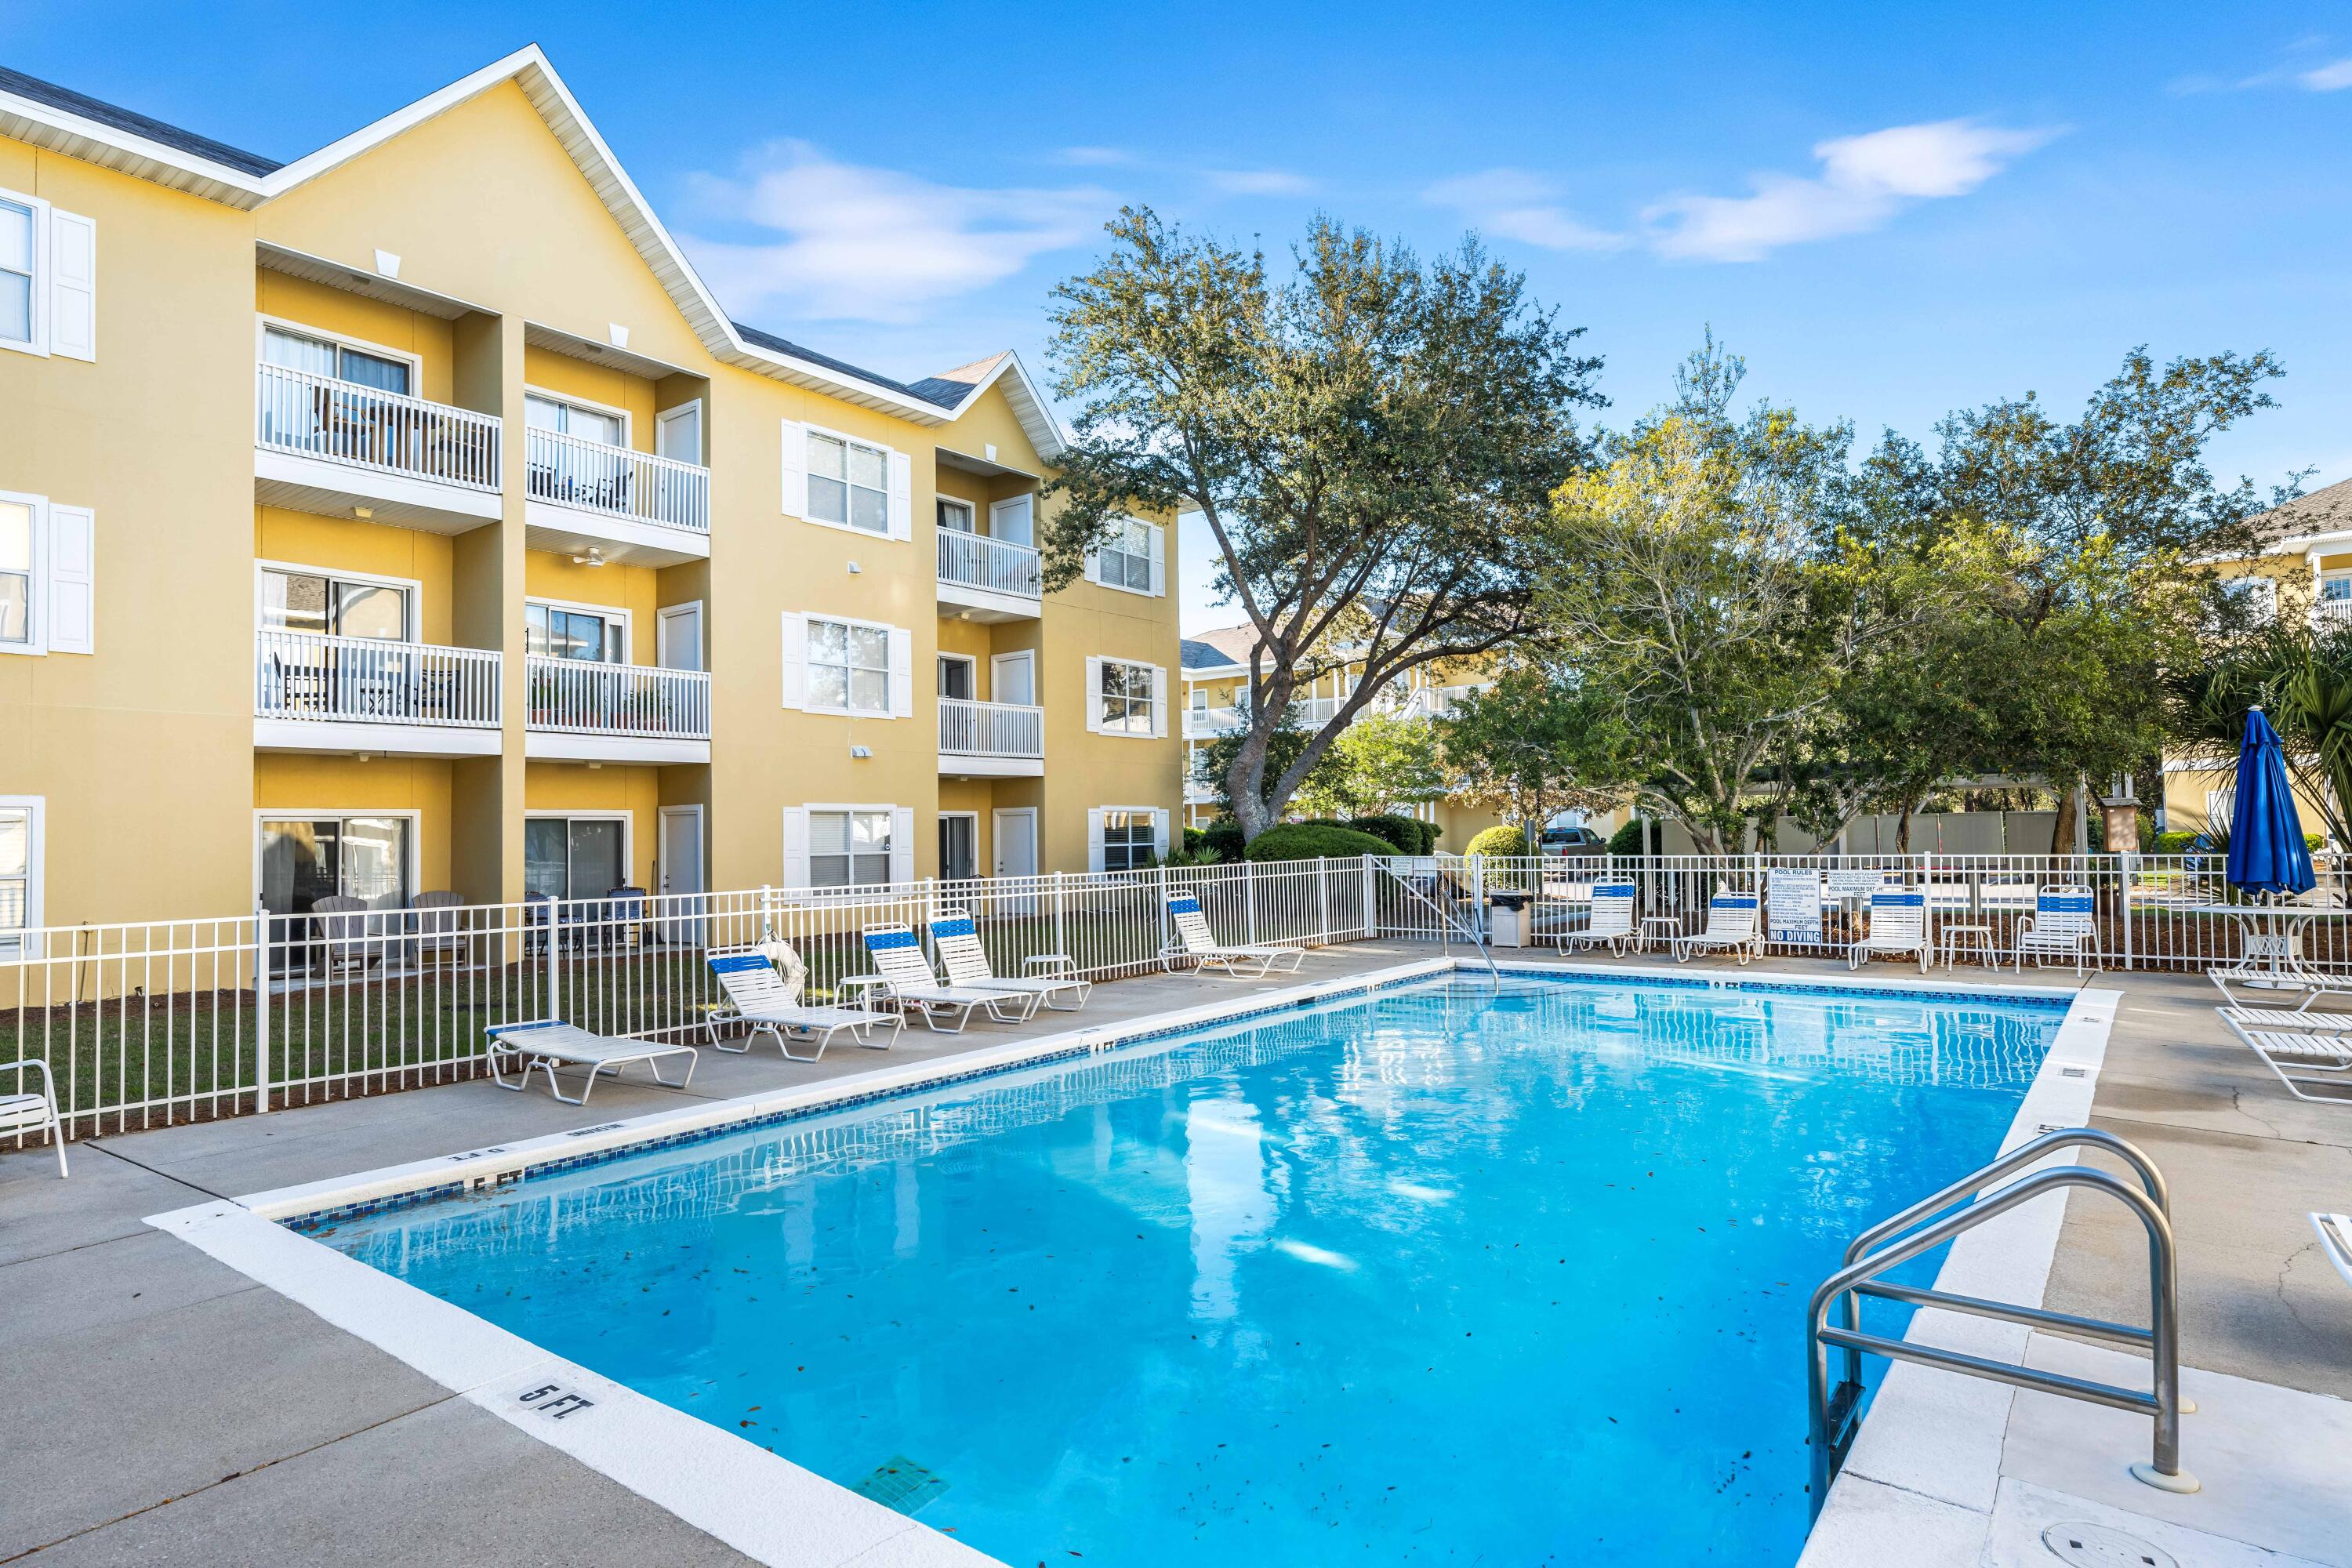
{"x": 1443, "y": 1276}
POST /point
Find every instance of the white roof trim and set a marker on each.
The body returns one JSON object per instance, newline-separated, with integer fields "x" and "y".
{"x": 1029, "y": 405}
{"x": 72, "y": 134}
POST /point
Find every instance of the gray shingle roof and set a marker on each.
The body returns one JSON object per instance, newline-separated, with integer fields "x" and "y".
{"x": 913, "y": 389}
{"x": 2323, "y": 511}
{"x": 1219, "y": 646}
{"x": 124, "y": 120}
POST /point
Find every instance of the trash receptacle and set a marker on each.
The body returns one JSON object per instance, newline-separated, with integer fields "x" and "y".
{"x": 1506, "y": 919}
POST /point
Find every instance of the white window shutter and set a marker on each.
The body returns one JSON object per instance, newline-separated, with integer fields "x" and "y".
{"x": 1094, "y": 695}
{"x": 73, "y": 285}
{"x": 902, "y": 496}
{"x": 1159, "y": 832}
{"x": 1158, "y": 701}
{"x": 902, "y": 673}
{"x": 1094, "y": 566}
{"x": 73, "y": 602}
{"x": 1158, "y": 561}
{"x": 796, "y": 469}
{"x": 1095, "y": 840}
{"x": 796, "y": 846}
{"x": 902, "y": 843}
{"x": 795, "y": 661}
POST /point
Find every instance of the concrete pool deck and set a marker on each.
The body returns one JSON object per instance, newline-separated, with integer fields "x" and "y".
{"x": 169, "y": 1409}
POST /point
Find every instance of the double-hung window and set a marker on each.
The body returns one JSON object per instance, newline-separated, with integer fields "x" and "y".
{"x": 20, "y": 889}
{"x": 848, "y": 483}
{"x": 1125, "y": 700}
{"x": 848, "y": 849}
{"x": 16, "y": 581}
{"x": 1124, "y": 558}
{"x": 19, "y": 322}
{"x": 848, "y": 667}
{"x": 1128, "y": 838}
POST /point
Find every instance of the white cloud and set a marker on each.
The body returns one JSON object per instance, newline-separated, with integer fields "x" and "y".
{"x": 1512, "y": 204}
{"x": 1257, "y": 182}
{"x": 2333, "y": 76}
{"x": 833, "y": 240}
{"x": 1093, "y": 157}
{"x": 1863, "y": 181}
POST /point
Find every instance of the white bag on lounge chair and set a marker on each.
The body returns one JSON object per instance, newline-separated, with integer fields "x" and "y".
{"x": 1898, "y": 924}
{"x": 966, "y": 962}
{"x": 2287, "y": 1053}
{"x": 906, "y": 978}
{"x": 2064, "y": 921}
{"x": 1611, "y": 925}
{"x": 1731, "y": 927}
{"x": 540, "y": 1044}
{"x": 754, "y": 981}
{"x": 1194, "y": 941}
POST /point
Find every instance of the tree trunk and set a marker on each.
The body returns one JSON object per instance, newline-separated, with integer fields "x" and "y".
{"x": 2061, "y": 832}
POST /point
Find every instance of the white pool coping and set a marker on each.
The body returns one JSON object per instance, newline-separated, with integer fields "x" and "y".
{"x": 777, "y": 1513}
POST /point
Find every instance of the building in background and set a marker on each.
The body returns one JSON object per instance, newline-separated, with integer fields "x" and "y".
{"x": 411, "y": 517}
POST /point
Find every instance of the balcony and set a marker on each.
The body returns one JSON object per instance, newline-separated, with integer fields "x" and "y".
{"x": 341, "y": 450}
{"x": 2331, "y": 615}
{"x": 991, "y": 740}
{"x": 984, "y": 579}
{"x": 315, "y": 693}
{"x": 626, "y": 505}
{"x": 580, "y": 711}
{"x": 1206, "y": 723}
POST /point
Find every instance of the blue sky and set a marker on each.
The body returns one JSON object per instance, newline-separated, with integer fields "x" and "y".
{"x": 1889, "y": 212}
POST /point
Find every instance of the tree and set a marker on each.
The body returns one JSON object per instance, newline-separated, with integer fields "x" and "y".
{"x": 1521, "y": 746}
{"x": 1371, "y": 443}
{"x": 1689, "y": 589}
{"x": 1382, "y": 761}
{"x": 2303, "y": 682}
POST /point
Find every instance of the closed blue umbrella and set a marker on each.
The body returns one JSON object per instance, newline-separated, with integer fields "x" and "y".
{"x": 2266, "y": 849}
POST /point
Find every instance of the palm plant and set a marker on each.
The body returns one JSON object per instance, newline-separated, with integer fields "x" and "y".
{"x": 2304, "y": 685}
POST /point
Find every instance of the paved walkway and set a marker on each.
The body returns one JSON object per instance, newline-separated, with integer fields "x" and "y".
{"x": 166, "y": 1410}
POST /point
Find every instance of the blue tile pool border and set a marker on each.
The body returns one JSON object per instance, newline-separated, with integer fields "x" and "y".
{"x": 315, "y": 1222}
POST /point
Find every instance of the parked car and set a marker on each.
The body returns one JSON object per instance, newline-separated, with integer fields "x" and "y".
{"x": 1573, "y": 842}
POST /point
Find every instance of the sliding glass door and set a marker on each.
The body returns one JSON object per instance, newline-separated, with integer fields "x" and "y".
{"x": 573, "y": 857}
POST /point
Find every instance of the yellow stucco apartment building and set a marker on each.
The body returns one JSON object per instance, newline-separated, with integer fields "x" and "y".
{"x": 411, "y": 517}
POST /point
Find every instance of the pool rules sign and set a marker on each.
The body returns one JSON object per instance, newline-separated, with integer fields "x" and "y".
{"x": 1792, "y": 903}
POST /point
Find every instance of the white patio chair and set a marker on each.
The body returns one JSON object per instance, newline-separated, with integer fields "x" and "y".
{"x": 1731, "y": 927}
{"x": 1196, "y": 942}
{"x": 1611, "y": 925}
{"x": 1898, "y": 924}
{"x": 2291, "y": 1053}
{"x": 905, "y": 977}
{"x": 957, "y": 938}
{"x": 542, "y": 1044}
{"x": 2064, "y": 922}
{"x": 34, "y": 1111}
{"x": 2335, "y": 1240}
{"x": 763, "y": 988}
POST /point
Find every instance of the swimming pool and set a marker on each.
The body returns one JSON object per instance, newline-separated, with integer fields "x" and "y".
{"x": 1436, "y": 1275}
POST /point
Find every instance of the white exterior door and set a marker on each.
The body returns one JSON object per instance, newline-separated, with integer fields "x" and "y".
{"x": 678, "y": 433}
{"x": 1016, "y": 832}
{"x": 1013, "y": 677}
{"x": 681, "y": 876}
{"x": 679, "y": 636}
{"x": 1014, "y": 520}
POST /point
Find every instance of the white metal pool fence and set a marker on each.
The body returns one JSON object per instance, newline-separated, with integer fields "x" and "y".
{"x": 148, "y": 1024}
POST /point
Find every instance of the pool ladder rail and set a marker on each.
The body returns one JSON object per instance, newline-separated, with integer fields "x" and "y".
{"x": 1833, "y": 1413}
{"x": 1448, "y": 922}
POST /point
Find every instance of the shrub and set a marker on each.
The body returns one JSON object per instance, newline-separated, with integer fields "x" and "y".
{"x": 1501, "y": 839}
{"x": 1628, "y": 841}
{"x": 1313, "y": 841}
{"x": 1222, "y": 838}
{"x": 1196, "y": 841}
{"x": 1405, "y": 834}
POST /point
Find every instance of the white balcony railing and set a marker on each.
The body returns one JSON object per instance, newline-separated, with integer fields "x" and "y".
{"x": 970, "y": 729}
{"x": 313, "y": 416}
{"x": 2331, "y": 615}
{"x": 1204, "y": 722}
{"x": 365, "y": 680}
{"x": 997, "y": 565}
{"x": 617, "y": 481}
{"x": 579, "y": 696}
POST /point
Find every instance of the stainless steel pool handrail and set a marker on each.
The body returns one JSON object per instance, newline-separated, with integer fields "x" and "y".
{"x": 1445, "y": 920}
{"x": 1831, "y": 1416}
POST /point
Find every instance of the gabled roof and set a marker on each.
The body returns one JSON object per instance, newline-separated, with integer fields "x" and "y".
{"x": 2323, "y": 512}
{"x": 1219, "y": 647}
{"x": 78, "y": 126}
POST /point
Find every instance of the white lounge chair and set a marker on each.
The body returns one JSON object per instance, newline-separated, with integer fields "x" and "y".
{"x": 1196, "y": 942}
{"x": 2287, "y": 1053}
{"x": 966, "y": 962}
{"x": 34, "y": 1111}
{"x": 905, "y": 977}
{"x": 2064, "y": 922}
{"x": 1731, "y": 928}
{"x": 763, "y": 988}
{"x": 2296, "y": 1020}
{"x": 1611, "y": 925}
{"x": 1898, "y": 924}
{"x": 2335, "y": 1240}
{"x": 542, "y": 1044}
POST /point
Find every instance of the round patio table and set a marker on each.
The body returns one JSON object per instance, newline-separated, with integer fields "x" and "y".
{"x": 2271, "y": 958}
